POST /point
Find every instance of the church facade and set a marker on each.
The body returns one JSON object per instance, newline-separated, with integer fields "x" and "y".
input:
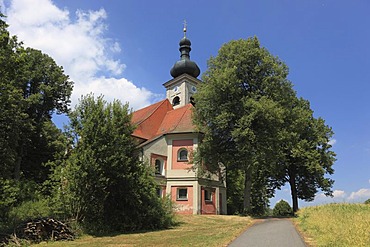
{"x": 167, "y": 139}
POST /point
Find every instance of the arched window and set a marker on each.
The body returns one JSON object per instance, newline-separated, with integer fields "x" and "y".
{"x": 176, "y": 101}
{"x": 158, "y": 165}
{"x": 182, "y": 155}
{"x": 192, "y": 101}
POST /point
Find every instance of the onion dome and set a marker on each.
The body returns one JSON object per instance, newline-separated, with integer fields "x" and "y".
{"x": 185, "y": 65}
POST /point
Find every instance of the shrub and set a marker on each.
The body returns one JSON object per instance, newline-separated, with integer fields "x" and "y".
{"x": 367, "y": 201}
{"x": 282, "y": 208}
{"x": 9, "y": 192}
{"x": 31, "y": 210}
{"x": 19, "y": 201}
{"x": 103, "y": 184}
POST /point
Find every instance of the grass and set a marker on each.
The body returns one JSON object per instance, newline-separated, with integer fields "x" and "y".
{"x": 335, "y": 225}
{"x": 193, "y": 230}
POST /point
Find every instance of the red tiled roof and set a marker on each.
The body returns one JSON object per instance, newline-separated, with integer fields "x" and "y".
{"x": 177, "y": 121}
{"x": 160, "y": 118}
{"x": 142, "y": 114}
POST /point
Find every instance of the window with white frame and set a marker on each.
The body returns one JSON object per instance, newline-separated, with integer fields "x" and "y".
{"x": 182, "y": 194}
{"x": 182, "y": 154}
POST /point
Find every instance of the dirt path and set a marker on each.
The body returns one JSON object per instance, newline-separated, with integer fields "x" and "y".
{"x": 269, "y": 233}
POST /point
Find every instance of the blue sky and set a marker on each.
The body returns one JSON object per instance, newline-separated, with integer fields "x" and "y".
{"x": 125, "y": 50}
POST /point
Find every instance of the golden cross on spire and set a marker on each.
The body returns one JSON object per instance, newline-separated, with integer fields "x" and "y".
{"x": 185, "y": 26}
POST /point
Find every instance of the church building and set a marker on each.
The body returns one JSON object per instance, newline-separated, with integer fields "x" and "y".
{"x": 167, "y": 138}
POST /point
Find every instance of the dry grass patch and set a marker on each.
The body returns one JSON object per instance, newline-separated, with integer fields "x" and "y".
{"x": 193, "y": 230}
{"x": 336, "y": 224}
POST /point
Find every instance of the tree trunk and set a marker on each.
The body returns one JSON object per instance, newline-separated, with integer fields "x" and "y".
{"x": 293, "y": 190}
{"x": 247, "y": 190}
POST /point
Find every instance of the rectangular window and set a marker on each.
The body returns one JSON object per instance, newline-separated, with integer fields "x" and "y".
{"x": 182, "y": 194}
{"x": 160, "y": 192}
{"x": 208, "y": 195}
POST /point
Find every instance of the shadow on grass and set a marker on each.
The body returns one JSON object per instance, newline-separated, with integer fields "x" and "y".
{"x": 274, "y": 217}
{"x": 117, "y": 233}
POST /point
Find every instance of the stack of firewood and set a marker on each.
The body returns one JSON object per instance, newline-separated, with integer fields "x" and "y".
{"x": 4, "y": 239}
{"x": 45, "y": 229}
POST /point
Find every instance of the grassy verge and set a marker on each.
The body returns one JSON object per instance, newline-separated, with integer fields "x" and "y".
{"x": 193, "y": 230}
{"x": 335, "y": 225}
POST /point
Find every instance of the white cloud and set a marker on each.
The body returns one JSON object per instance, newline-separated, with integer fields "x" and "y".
{"x": 338, "y": 196}
{"x": 112, "y": 88}
{"x": 341, "y": 196}
{"x": 78, "y": 43}
{"x": 360, "y": 195}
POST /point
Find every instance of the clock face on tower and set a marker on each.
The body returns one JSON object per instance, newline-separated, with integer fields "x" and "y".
{"x": 175, "y": 89}
{"x": 193, "y": 89}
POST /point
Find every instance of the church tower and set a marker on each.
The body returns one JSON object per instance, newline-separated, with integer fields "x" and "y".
{"x": 180, "y": 89}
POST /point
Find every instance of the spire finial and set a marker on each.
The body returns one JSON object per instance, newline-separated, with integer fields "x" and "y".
{"x": 185, "y": 28}
{"x": 185, "y": 65}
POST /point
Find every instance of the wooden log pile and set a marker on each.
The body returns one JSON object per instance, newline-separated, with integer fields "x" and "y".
{"x": 4, "y": 239}
{"x": 45, "y": 229}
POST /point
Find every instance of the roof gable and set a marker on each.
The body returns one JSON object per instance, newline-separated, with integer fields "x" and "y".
{"x": 160, "y": 118}
{"x": 148, "y": 119}
{"x": 143, "y": 113}
{"x": 177, "y": 121}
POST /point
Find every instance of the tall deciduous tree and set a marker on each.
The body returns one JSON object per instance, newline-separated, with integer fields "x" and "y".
{"x": 45, "y": 90}
{"x": 239, "y": 108}
{"x": 107, "y": 187}
{"x": 12, "y": 117}
{"x": 306, "y": 155}
{"x": 255, "y": 125}
{"x": 33, "y": 87}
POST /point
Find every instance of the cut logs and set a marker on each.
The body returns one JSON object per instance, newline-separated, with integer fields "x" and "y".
{"x": 44, "y": 229}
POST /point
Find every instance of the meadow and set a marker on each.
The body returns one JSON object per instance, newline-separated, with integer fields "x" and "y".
{"x": 193, "y": 230}
{"x": 335, "y": 225}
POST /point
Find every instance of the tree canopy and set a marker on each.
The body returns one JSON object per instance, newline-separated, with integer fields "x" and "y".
{"x": 33, "y": 87}
{"x": 306, "y": 155}
{"x": 243, "y": 108}
{"x": 91, "y": 172}
{"x": 106, "y": 187}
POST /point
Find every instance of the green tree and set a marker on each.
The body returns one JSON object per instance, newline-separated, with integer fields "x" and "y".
{"x": 306, "y": 155}
{"x": 260, "y": 193}
{"x": 45, "y": 90}
{"x": 239, "y": 108}
{"x": 33, "y": 87}
{"x": 367, "y": 201}
{"x": 12, "y": 117}
{"x": 282, "y": 208}
{"x": 103, "y": 183}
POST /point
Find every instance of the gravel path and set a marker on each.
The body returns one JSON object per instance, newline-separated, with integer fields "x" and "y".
{"x": 269, "y": 233}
